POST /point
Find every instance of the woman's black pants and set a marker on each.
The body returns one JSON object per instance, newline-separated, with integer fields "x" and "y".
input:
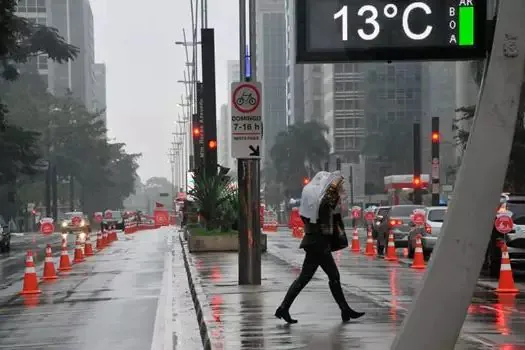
{"x": 314, "y": 259}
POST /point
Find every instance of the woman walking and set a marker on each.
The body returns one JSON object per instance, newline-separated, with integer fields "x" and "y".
{"x": 324, "y": 233}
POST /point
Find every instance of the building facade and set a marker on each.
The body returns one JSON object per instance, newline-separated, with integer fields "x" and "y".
{"x": 271, "y": 68}
{"x": 223, "y": 138}
{"x": 234, "y": 74}
{"x": 99, "y": 105}
{"x": 74, "y": 21}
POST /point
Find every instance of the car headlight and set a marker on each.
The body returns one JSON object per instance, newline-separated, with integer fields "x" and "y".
{"x": 64, "y": 224}
{"x": 82, "y": 223}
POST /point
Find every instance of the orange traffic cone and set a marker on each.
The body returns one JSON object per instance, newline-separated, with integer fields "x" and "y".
{"x": 30, "y": 279}
{"x": 49, "y": 266}
{"x": 355, "y": 242}
{"x": 65, "y": 264}
{"x": 115, "y": 236}
{"x": 105, "y": 241}
{"x": 391, "y": 248}
{"x": 79, "y": 256}
{"x": 88, "y": 248}
{"x": 99, "y": 241}
{"x": 369, "y": 250}
{"x": 375, "y": 247}
{"x": 506, "y": 280}
{"x": 419, "y": 259}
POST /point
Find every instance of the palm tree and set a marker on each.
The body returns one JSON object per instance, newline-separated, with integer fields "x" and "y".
{"x": 299, "y": 152}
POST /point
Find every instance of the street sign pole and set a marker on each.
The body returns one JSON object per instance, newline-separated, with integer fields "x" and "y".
{"x": 248, "y": 170}
{"x": 447, "y": 288}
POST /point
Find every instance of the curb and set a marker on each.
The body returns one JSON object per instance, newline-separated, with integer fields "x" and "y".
{"x": 203, "y": 328}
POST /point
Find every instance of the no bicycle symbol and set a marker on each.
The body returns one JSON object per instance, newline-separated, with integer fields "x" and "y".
{"x": 246, "y": 98}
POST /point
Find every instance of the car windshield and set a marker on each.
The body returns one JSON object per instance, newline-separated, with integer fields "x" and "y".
{"x": 518, "y": 211}
{"x": 69, "y": 216}
{"x": 404, "y": 210}
{"x": 436, "y": 215}
{"x": 382, "y": 211}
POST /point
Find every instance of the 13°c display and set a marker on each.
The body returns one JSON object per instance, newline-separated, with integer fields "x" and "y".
{"x": 371, "y": 30}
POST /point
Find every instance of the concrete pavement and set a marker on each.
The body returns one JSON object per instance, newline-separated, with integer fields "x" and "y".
{"x": 241, "y": 317}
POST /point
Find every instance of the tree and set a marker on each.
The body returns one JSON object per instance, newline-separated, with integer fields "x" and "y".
{"x": 299, "y": 152}
{"x": 514, "y": 180}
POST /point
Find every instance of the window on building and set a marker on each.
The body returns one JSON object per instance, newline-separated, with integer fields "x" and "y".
{"x": 391, "y": 116}
{"x": 339, "y": 143}
{"x": 349, "y": 123}
{"x": 338, "y": 68}
{"x": 339, "y": 105}
{"x": 339, "y": 123}
{"x": 339, "y": 87}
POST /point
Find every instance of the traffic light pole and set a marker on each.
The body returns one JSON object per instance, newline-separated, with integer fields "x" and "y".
{"x": 450, "y": 280}
{"x": 435, "y": 160}
{"x": 210, "y": 114}
{"x": 248, "y": 171}
{"x": 417, "y": 163}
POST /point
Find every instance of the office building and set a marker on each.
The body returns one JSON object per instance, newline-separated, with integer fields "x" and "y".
{"x": 343, "y": 112}
{"x": 74, "y": 21}
{"x": 99, "y": 105}
{"x": 271, "y": 68}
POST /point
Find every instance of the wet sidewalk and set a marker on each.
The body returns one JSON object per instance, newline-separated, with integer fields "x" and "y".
{"x": 495, "y": 321}
{"x": 241, "y": 317}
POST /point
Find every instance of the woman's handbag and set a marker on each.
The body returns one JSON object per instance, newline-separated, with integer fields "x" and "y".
{"x": 339, "y": 239}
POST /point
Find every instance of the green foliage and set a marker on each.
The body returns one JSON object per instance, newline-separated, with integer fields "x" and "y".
{"x": 299, "y": 152}
{"x": 212, "y": 195}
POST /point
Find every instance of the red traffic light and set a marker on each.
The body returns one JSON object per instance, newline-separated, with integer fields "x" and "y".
{"x": 212, "y": 144}
{"x": 435, "y": 137}
{"x": 306, "y": 181}
{"x": 196, "y": 131}
{"x": 416, "y": 181}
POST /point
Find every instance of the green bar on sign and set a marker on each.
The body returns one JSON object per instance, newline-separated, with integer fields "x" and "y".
{"x": 466, "y": 26}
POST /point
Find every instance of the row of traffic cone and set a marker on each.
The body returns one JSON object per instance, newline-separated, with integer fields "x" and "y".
{"x": 506, "y": 280}
{"x": 30, "y": 285}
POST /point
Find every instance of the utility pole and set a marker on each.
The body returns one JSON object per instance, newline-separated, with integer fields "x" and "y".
{"x": 249, "y": 169}
{"x": 209, "y": 112}
{"x": 417, "y": 164}
{"x": 351, "y": 184}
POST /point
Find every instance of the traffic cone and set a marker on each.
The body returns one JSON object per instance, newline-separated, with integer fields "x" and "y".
{"x": 506, "y": 280}
{"x": 375, "y": 247}
{"x": 115, "y": 236}
{"x": 49, "y": 266}
{"x": 355, "y": 242}
{"x": 30, "y": 279}
{"x": 88, "y": 248}
{"x": 79, "y": 256}
{"x": 99, "y": 241}
{"x": 369, "y": 250}
{"x": 391, "y": 249}
{"x": 105, "y": 238}
{"x": 65, "y": 264}
{"x": 419, "y": 259}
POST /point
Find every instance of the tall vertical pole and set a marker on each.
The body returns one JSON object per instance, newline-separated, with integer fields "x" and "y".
{"x": 459, "y": 254}
{"x": 249, "y": 170}
{"x": 417, "y": 162}
{"x": 435, "y": 160}
{"x": 54, "y": 191}
{"x": 71, "y": 192}
{"x": 351, "y": 184}
{"x": 209, "y": 95}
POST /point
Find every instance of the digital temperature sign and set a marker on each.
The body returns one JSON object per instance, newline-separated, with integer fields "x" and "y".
{"x": 389, "y": 30}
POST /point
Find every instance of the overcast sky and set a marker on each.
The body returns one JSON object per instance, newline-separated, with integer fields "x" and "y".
{"x": 136, "y": 41}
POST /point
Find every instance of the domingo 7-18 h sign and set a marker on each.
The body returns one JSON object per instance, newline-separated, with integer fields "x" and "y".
{"x": 246, "y": 120}
{"x": 388, "y": 30}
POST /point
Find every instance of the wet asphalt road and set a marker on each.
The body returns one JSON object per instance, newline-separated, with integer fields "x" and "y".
{"x": 492, "y": 321}
{"x": 128, "y": 296}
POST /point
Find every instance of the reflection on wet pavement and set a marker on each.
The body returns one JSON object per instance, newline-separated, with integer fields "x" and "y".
{"x": 241, "y": 317}
{"x": 494, "y": 320}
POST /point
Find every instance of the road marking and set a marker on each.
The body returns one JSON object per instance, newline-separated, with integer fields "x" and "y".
{"x": 163, "y": 330}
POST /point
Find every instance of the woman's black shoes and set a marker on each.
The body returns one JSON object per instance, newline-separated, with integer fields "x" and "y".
{"x": 284, "y": 314}
{"x": 347, "y": 315}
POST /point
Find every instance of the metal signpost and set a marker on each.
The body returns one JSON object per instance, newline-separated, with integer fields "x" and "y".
{"x": 329, "y": 31}
{"x": 246, "y": 131}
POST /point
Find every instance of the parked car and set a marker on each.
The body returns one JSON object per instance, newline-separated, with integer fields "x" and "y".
{"x": 515, "y": 240}
{"x": 5, "y": 236}
{"x": 397, "y": 220}
{"x": 116, "y": 220}
{"x": 434, "y": 217}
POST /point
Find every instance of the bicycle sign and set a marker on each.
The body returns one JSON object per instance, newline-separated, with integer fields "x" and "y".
{"x": 246, "y": 120}
{"x": 246, "y": 98}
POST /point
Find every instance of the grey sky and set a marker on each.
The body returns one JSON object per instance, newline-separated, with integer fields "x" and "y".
{"x": 136, "y": 42}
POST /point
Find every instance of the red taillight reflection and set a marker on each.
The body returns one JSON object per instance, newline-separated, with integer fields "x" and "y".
{"x": 428, "y": 229}
{"x": 395, "y": 222}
